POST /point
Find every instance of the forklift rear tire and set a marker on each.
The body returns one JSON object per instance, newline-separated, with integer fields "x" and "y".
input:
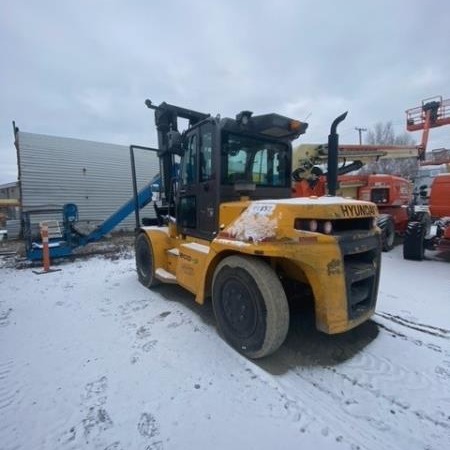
{"x": 145, "y": 262}
{"x": 250, "y": 306}
{"x": 386, "y": 223}
{"x": 413, "y": 242}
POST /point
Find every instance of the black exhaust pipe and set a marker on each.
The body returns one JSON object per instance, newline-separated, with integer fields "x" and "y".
{"x": 333, "y": 149}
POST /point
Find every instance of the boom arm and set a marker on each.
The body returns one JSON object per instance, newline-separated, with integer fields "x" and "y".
{"x": 305, "y": 156}
{"x": 352, "y": 157}
{"x": 143, "y": 198}
{"x": 433, "y": 113}
{"x": 318, "y": 153}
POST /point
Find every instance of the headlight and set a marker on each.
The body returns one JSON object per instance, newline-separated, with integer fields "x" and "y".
{"x": 327, "y": 227}
{"x": 313, "y": 225}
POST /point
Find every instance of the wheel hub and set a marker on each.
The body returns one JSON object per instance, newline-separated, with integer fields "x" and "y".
{"x": 239, "y": 308}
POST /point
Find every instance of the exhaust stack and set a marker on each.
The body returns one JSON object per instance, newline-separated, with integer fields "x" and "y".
{"x": 333, "y": 148}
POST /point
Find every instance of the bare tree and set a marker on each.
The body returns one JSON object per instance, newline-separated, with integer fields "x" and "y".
{"x": 384, "y": 134}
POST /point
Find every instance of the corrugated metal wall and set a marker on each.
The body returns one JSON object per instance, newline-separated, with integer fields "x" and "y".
{"x": 93, "y": 175}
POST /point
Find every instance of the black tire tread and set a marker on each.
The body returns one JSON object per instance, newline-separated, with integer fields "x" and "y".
{"x": 413, "y": 242}
{"x": 275, "y": 302}
{"x": 145, "y": 268}
{"x": 386, "y": 223}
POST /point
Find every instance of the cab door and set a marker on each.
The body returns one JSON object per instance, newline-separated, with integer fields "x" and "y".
{"x": 197, "y": 203}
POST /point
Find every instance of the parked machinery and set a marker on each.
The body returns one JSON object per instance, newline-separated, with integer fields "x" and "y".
{"x": 5, "y": 205}
{"x": 65, "y": 234}
{"x": 435, "y": 234}
{"x": 232, "y": 232}
{"x": 434, "y": 112}
{"x": 425, "y": 175}
{"x": 393, "y": 195}
{"x": 424, "y": 232}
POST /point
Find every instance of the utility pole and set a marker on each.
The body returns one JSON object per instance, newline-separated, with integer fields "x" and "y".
{"x": 360, "y": 130}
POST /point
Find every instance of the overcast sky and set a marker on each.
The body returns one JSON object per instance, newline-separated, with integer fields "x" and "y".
{"x": 84, "y": 68}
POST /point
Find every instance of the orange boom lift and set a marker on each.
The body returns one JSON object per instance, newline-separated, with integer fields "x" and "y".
{"x": 434, "y": 112}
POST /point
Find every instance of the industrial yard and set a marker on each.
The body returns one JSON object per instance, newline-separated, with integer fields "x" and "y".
{"x": 92, "y": 359}
{"x": 225, "y": 225}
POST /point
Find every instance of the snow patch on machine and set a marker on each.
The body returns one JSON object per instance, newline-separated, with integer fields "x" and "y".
{"x": 255, "y": 224}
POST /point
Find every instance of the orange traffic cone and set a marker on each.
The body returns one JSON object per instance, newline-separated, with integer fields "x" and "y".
{"x": 45, "y": 251}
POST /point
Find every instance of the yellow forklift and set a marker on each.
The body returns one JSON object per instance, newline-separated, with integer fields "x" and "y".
{"x": 229, "y": 230}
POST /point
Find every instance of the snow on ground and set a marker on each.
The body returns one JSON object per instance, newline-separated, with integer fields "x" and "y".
{"x": 90, "y": 359}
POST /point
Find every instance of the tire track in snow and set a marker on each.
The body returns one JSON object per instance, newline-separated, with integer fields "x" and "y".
{"x": 405, "y": 406}
{"x": 294, "y": 409}
{"x": 6, "y": 386}
{"x": 4, "y": 317}
{"x": 313, "y": 408}
{"x": 300, "y": 412}
{"x": 377, "y": 374}
{"x": 317, "y": 409}
{"x": 338, "y": 387}
{"x": 419, "y": 343}
{"x": 11, "y": 396}
{"x": 362, "y": 430}
{"x": 373, "y": 428}
{"x": 368, "y": 415}
{"x": 428, "y": 329}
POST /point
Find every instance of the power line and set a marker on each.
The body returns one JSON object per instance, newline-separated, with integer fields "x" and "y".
{"x": 360, "y": 130}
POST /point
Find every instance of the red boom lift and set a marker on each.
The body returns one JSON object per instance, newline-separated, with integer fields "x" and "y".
{"x": 433, "y": 113}
{"x": 420, "y": 235}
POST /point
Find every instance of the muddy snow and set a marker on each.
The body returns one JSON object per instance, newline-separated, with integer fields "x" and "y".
{"x": 90, "y": 359}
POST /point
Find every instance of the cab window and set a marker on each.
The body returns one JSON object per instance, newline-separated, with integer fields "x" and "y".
{"x": 189, "y": 165}
{"x": 248, "y": 159}
{"x": 206, "y": 155}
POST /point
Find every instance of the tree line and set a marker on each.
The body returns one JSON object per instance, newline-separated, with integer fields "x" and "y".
{"x": 383, "y": 133}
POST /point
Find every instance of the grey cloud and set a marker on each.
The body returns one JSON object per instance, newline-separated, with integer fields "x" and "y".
{"x": 83, "y": 69}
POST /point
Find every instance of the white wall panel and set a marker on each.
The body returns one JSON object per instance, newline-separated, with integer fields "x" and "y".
{"x": 93, "y": 175}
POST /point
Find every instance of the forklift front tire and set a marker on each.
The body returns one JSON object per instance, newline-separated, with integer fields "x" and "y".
{"x": 387, "y": 227}
{"x": 250, "y": 306}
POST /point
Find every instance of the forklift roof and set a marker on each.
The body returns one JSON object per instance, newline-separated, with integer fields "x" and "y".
{"x": 273, "y": 125}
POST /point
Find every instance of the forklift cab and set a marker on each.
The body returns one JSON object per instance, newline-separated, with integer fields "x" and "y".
{"x": 224, "y": 160}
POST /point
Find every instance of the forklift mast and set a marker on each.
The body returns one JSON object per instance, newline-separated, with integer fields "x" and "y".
{"x": 169, "y": 139}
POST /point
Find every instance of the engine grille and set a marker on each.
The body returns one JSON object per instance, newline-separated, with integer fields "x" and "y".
{"x": 362, "y": 256}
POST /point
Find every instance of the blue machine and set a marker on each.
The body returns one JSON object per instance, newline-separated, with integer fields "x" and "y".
{"x": 64, "y": 241}
{"x": 62, "y": 244}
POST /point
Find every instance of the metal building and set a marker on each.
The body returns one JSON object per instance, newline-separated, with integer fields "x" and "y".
{"x": 95, "y": 176}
